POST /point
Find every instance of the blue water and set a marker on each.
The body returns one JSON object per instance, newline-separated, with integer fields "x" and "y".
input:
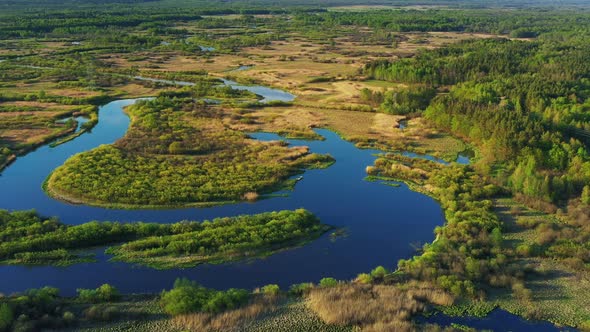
{"x": 498, "y": 320}
{"x": 206, "y": 48}
{"x": 382, "y": 222}
{"x": 268, "y": 94}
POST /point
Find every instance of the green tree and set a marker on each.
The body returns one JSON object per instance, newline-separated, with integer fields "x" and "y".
{"x": 586, "y": 195}
{"x": 6, "y": 317}
{"x": 176, "y": 148}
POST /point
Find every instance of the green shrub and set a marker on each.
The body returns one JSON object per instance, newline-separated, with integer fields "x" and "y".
{"x": 300, "y": 289}
{"x": 271, "y": 290}
{"x": 188, "y": 296}
{"x": 364, "y": 278}
{"x": 6, "y": 317}
{"x": 104, "y": 293}
{"x": 69, "y": 317}
{"x": 328, "y": 282}
{"x": 379, "y": 272}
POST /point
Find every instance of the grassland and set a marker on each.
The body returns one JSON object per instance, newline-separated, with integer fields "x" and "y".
{"x": 559, "y": 293}
{"x": 145, "y": 313}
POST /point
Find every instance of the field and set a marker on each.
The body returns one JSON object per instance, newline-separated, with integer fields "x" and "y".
{"x": 558, "y": 291}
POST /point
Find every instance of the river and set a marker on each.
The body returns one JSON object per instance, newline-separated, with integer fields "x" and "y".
{"x": 382, "y": 224}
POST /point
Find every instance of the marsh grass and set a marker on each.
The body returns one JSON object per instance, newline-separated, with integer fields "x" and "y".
{"x": 374, "y": 307}
{"x": 233, "y": 320}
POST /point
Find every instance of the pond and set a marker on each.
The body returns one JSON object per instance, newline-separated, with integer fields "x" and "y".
{"x": 80, "y": 120}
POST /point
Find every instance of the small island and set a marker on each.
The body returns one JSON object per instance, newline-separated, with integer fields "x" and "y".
{"x": 29, "y": 239}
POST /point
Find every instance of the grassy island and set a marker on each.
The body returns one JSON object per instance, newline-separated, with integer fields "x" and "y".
{"x": 29, "y": 239}
{"x": 178, "y": 151}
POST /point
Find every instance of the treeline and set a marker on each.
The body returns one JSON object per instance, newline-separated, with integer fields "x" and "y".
{"x": 71, "y": 22}
{"x": 402, "y": 101}
{"x": 516, "y": 23}
{"x": 522, "y": 103}
{"x": 27, "y": 238}
{"x": 38, "y": 25}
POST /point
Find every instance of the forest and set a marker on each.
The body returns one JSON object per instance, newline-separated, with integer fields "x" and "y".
{"x": 522, "y": 103}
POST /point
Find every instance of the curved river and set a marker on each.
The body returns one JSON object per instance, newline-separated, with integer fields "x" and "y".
{"x": 383, "y": 224}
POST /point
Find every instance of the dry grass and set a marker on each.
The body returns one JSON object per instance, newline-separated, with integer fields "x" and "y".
{"x": 41, "y": 105}
{"x": 373, "y": 307}
{"x": 352, "y": 126}
{"x": 251, "y": 196}
{"x": 233, "y": 320}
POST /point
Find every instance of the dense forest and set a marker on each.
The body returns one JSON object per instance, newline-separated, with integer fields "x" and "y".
{"x": 523, "y": 103}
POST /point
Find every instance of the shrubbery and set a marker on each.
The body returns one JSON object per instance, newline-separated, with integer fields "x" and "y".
{"x": 104, "y": 293}
{"x": 28, "y": 238}
{"x": 189, "y": 297}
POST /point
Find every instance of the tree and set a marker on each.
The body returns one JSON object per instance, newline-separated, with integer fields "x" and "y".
{"x": 176, "y": 148}
{"x": 6, "y": 317}
{"x": 586, "y": 195}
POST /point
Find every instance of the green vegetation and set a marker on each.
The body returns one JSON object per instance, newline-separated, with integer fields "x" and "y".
{"x": 527, "y": 121}
{"x": 188, "y": 296}
{"x": 222, "y": 239}
{"x": 34, "y": 310}
{"x": 400, "y": 102}
{"x": 104, "y": 293}
{"x": 178, "y": 152}
{"x": 483, "y": 257}
{"x": 32, "y": 240}
{"x": 517, "y": 91}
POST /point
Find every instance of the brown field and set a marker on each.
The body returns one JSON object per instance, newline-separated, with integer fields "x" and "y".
{"x": 374, "y": 307}
{"x": 37, "y": 104}
{"x": 34, "y": 136}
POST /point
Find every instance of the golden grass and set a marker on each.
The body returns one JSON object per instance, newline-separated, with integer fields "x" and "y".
{"x": 233, "y": 320}
{"x": 352, "y": 126}
{"x": 251, "y": 196}
{"x": 374, "y": 307}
